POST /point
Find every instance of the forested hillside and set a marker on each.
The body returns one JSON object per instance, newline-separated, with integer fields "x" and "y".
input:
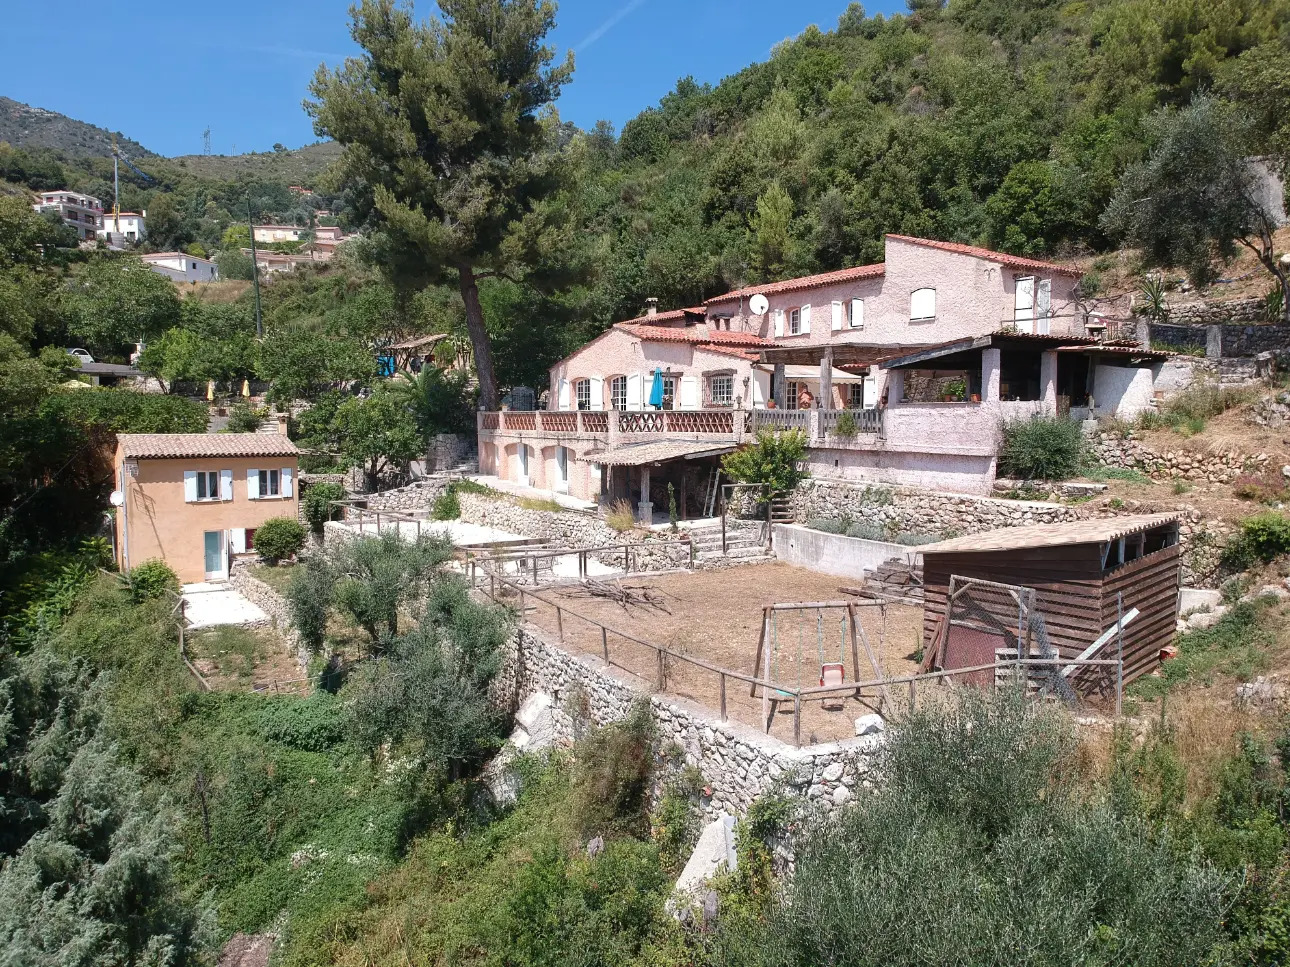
{"x": 989, "y": 121}
{"x": 23, "y": 125}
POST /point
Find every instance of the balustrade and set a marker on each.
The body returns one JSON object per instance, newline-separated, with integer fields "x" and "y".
{"x": 594, "y": 421}
{"x": 866, "y": 421}
{"x": 559, "y": 422}
{"x": 699, "y": 421}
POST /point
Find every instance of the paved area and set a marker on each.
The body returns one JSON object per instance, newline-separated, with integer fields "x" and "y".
{"x": 207, "y": 605}
{"x": 515, "y": 490}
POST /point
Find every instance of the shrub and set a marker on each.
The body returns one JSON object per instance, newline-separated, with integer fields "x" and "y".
{"x": 914, "y": 539}
{"x": 846, "y": 426}
{"x": 278, "y": 538}
{"x": 772, "y": 460}
{"x": 244, "y": 418}
{"x": 317, "y": 502}
{"x": 1263, "y": 537}
{"x": 867, "y": 530}
{"x": 1265, "y": 488}
{"x": 319, "y": 463}
{"x": 1042, "y": 448}
{"x": 152, "y": 579}
{"x": 620, "y": 516}
{"x": 830, "y": 525}
{"x": 540, "y": 503}
{"x": 309, "y": 596}
{"x": 313, "y": 725}
{"x": 1188, "y": 410}
{"x": 612, "y": 775}
{"x": 446, "y": 506}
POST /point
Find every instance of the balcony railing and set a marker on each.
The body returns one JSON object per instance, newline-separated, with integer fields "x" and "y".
{"x": 866, "y": 421}
{"x": 780, "y": 420}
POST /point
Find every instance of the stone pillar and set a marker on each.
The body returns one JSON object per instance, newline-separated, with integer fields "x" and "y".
{"x": 780, "y": 389}
{"x": 1213, "y": 342}
{"x": 814, "y": 425}
{"x": 1048, "y": 380}
{"x": 989, "y": 376}
{"x": 612, "y": 441}
{"x": 826, "y": 379}
{"x": 645, "y": 509}
{"x": 740, "y": 416}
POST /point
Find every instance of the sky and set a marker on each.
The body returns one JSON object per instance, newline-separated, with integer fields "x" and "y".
{"x": 160, "y": 73}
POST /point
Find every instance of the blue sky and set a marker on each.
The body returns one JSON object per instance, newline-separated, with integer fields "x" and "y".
{"x": 242, "y": 66}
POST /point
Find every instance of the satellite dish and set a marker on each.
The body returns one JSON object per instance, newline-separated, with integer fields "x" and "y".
{"x": 759, "y": 304}
{"x": 117, "y": 498}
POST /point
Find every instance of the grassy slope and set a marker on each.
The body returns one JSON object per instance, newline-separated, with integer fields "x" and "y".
{"x": 299, "y": 167}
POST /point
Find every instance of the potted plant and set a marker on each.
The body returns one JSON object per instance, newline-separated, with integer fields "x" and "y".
{"x": 955, "y": 391}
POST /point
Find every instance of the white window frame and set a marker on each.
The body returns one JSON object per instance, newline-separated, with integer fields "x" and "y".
{"x": 916, "y": 303}
{"x": 726, "y": 395}
{"x": 795, "y": 322}
{"x": 857, "y": 314}
{"x": 670, "y": 389}
{"x": 792, "y": 388}
{"x": 208, "y": 486}
{"x": 269, "y": 483}
{"x": 618, "y": 393}
{"x": 582, "y": 394}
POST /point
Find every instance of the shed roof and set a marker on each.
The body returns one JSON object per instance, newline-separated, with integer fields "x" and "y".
{"x": 1006, "y": 339}
{"x": 163, "y": 446}
{"x": 1049, "y": 535}
{"x": 639, "y": 454}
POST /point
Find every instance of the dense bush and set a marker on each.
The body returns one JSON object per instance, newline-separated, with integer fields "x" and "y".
{"x": 317, "y": 500}
{"x": 152, "y": 579}
{"x": 278, "y": 538}
{"x": 772, "y": 460}
{"x": 244, "y": 418}
{"x": 1041, "y": 448}
{"x": 447, "y": 506}
{"x": 1263, "y": 537}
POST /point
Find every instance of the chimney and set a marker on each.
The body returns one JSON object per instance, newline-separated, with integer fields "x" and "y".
{"x": 282, "y": 423}
{"x": 651, "y": 306}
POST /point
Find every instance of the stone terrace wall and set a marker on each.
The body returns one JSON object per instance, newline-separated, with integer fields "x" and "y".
{"x": 907, "y": 510}
{"x": 1232, "y": 339}
{"x": 268, "y": 600}
{"x": 1116, "y": 449}
{"x": 574, "y": 530}
{"x": 1202, "y": 312}
{"x": 409, "y": 499}
{"x": 739, "y": 763}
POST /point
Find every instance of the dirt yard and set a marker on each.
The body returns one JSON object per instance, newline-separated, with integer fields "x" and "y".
{"x": 716, "y": 616}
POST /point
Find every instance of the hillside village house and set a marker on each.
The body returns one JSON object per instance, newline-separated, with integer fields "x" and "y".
{"x": 130, "y": 226}
{"x": 81, "y": 212}
{"x": 182, "y": 267}
{"x": 194, "y": 500}
{"x": 930, "y": 351}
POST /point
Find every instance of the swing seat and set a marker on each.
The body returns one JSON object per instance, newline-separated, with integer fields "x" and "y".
{"x": 832, "y": 673}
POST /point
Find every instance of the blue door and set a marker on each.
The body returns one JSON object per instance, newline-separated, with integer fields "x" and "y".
{"x": 214, "y": 554}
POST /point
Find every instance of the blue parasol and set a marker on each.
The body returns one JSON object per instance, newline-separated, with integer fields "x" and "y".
{"x": 656, "y": 391}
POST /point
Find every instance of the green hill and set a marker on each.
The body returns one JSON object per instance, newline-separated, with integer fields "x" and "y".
{"x": 300, "y": 166}
{"x": 24, "y": 126}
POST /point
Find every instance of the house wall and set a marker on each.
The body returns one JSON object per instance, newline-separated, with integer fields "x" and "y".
{"x": 973, "y": 297}
{"x": 619, "y": 353}
{"x": 848, "y": 557}
{"x": 159, "y": 523}
{"x": 962, "y": 473}
{"x": 185, "y": 268}
{"x": 1123, "y": 391}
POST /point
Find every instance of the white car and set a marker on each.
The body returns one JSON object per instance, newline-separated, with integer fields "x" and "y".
{"x": 81, "y": 354}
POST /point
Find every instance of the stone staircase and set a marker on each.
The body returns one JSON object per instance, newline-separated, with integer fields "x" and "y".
{"x": 896, "y": 579}
{"x": 744, "y": 541}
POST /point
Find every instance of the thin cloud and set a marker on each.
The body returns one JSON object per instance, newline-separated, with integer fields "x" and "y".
{"x": 608, "y": 25}
{"x": 277, "y": 50}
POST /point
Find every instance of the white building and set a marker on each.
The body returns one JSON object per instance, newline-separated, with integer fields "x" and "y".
{"x": 279, "y": 233}
{"x": 129, "y": 225}
{"x": 182, "y": 267}
{"x": 81, "y": 212}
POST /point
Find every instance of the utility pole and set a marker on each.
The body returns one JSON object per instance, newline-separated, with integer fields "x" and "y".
{"x": 255, "y": 270}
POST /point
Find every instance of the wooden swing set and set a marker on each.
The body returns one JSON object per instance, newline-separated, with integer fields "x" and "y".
{"x": 777, "y": 628}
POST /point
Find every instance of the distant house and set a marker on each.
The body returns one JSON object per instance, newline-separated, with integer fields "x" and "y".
{"x": 279, "y": 233}
{"x": 129, "y": 225}
{"x": 81, "y": 212}
{"x": 269, "y": 262}
{"x": 182, "y": 267}
{"x": 194, "y": 500}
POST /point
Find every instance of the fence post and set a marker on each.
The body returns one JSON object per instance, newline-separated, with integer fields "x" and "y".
{"x": 797, "y": 718}
{"x": 913, "y": 695}
{"x": 724, "y": 717}
{"x": 604, "y": 643}
{"x": 559, "y": 622}
{"x": 662, "y": 671}
{"x": 492, "y": 586}
{"x": 535, "y": 577}
{"x": 1119, "y": 668}
{"x": 723, "y": 524}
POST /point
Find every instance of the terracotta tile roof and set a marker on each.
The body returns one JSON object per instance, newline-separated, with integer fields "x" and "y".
{"x": 806, "y": 282}
{"x": 638, "y": 454}
{"x": 745, "y": 354}
{"x": 669, "y": 316}
{"x": 1003, "y": 258}
{"x": 692, "y": 335}
{"x": 163, "y": 446}
{"x": 1049, "y": 535}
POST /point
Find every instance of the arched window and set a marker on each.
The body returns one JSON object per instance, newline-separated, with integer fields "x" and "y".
{"x": 922, "y": 304}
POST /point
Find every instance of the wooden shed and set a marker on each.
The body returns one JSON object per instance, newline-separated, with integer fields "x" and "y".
{"x": 1076, "y": 570}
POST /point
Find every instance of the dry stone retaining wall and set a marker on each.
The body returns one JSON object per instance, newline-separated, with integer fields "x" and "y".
{"x": 274, "y": 605}
{"x": 574, "y": 530}
{"x": 1116, "y": 449}
{"x": 738, "y": 763}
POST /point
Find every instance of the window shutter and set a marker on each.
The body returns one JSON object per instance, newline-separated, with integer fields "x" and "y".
{"x": 806, "y": 319}
{"x": 870, "y": 392}
{"x": 253, "y": 485}
{"x": 857, "y": 313}
{"x": 634, "y": 391}
{"x": 226, "y": 485}
{"x": 689, "y": 392}
{"x": 597, "y": 393}
{"x": 564, "y": 395}
{"x": 1024, "y": 313}
{"x": 1044, "y": 305}
{"x": 237, "y": 537}
{"x": 922, "y": 304}
{"x": 760, "y": 387}
{"x": 286, "y": 483}
{"x": 778, "y": 317}
{"x": 190, "y": 485}
{"x": 836, "y": 318}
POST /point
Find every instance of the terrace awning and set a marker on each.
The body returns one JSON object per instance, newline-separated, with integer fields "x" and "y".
{"x": 640, "y": 454}
{"x": 997, "y": 340}
{"x": 813, "y": 372}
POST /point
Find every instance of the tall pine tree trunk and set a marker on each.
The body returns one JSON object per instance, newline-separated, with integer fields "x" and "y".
{"x": 479, "y": 341}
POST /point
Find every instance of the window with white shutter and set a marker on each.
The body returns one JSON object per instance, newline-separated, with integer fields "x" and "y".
{"x": 1023, "y": 313}
{"x": 857, "y": 313}
{"x": 201, "y": 485}
{"x": 288, "y": 484}
{"x": 806, "y": 319}
{"x": 597, "y": 393}
{"x": 794, "y": 322}
{"x": 835, "y": 318}
{"x": 634, "y": 391}
{"x": 1044, "y": 306}
{"x": 777, "y": 317}
{"x": 226, "y": 484}
{"x": 922, "y": 305}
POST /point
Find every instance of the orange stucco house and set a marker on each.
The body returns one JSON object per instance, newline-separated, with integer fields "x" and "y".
{"x": 194, "y": 500}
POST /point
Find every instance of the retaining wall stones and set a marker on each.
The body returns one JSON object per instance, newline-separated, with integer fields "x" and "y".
{"x": 910, "y": 511}
{"x": 738, "y": 763}
{"x": 449, "y": 450}
{"x": 274, "y": 605}
{"x": 409, "y": 499}
{"x": 655, "y": 552}
{"x": 1202, "y": 312}
{"x": 1113, "y": 448}
{"x": 1225, "y": 337}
